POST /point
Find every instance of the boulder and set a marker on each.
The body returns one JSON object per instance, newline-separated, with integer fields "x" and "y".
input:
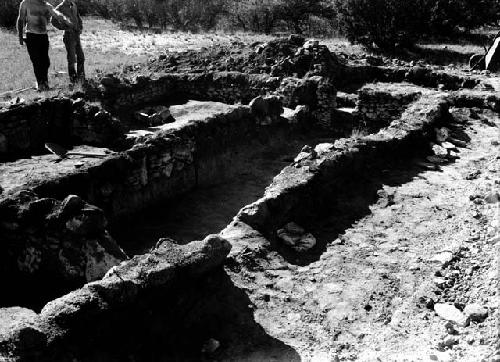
{"x": 20, "y": 335}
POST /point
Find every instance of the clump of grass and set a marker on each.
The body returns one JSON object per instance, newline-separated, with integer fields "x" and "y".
{"x": 359, "y": 132}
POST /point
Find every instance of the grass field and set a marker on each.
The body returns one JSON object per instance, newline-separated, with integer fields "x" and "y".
{"x": 108, "y": 48}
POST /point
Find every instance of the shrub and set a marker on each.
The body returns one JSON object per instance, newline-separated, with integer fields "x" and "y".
{"x": 447, "y": 16}
{"x": 8, "y": 10}
{"x": 389, "y": 23}
{"x": 384, "y": 23}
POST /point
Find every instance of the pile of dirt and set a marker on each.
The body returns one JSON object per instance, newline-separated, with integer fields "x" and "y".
{"x": 292, "y": 56}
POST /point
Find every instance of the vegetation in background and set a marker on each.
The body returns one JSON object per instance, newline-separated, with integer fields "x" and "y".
{"x": 382, "y": 23}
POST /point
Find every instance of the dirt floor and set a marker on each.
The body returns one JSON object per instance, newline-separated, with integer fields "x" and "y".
{"x": 430, "y": 238}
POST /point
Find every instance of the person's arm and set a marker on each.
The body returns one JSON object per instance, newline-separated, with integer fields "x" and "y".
{"x": 57, "y": 14}
{"x": 21, "y": 21}
{"x": 80, "y": 22}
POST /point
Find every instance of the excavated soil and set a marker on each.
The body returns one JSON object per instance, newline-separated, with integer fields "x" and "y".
{"x": 430, "y": 236}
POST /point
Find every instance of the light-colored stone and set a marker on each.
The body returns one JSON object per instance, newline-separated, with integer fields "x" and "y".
{"x": 443, "y": 258}
{"x": 476, "y": 312}
{"x": 450, "y": 313}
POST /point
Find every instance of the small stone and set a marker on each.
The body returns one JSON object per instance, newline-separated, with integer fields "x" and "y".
{"x": 436, "y": 159}
{"x": 443, "y": 258}
{"x": 294, "y": 228}
{"x": 450, "y": 328}
{"x": 439, "y": 151}
{"x": 442, "y": 134}
{"x": 492, "y": 198}
{"x": 210, "y": 346}
{"x": 476, "y": 312}
{"x": 440, "y": 282}
{"x": 450, "y": 313}
{"x": 448, "y": 342}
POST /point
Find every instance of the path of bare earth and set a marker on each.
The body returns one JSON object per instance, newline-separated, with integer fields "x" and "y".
{"x": 370, "y": 296}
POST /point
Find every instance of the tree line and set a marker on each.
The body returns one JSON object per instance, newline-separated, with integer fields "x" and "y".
{"x": 381, "y": 23}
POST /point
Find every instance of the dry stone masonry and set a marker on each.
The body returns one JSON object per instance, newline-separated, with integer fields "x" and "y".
{"x": 164, "y": 136}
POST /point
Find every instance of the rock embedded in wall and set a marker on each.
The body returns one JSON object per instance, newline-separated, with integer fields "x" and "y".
{"x": 55, "y": 240}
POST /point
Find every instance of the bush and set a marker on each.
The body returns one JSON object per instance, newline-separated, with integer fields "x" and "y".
{"x": 447, "y": 16}
{"x": 392, "y": 23}
{"x": 9, "y": 10}
{"x": 383, "y": 23}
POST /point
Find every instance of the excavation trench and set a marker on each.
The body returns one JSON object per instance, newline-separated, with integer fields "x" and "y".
{"x": 207, "y": 209}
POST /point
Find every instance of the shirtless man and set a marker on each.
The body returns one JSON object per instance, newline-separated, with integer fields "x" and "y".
{"x": 34, "y": 15}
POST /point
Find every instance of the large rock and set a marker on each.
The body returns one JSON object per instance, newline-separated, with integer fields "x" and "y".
{"x": 20, "y": 335}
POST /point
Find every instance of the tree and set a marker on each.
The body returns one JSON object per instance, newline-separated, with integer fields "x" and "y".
{"x": 297, "y": 12}
{"x": 386, "y": 24}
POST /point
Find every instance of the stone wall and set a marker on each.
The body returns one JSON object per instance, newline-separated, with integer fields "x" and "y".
{"x": 353, "y": 77}
{"x": 316, "y": 92}
{"x": 167, "y": 163}
{"x": 472, "y": 98}
{"x": 149, "y": 296}
{"x": 381, "y": 103}
{"x": 226, "y": 87}
{"x": 48, "y": 246}
{"x": 25, "y": 128}
{"x": 311, "y": 183}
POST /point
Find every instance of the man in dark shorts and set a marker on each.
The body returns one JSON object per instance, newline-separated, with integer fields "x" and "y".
{"x": 34, "y": 15}
{"x": 71, "y": 40}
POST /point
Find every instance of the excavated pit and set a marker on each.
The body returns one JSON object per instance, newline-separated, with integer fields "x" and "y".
{"x": 208, "y": 209}
{"x": 219, "y": 166}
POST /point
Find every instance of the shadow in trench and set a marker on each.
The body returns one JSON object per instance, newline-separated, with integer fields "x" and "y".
{"x": 176, "y": 326}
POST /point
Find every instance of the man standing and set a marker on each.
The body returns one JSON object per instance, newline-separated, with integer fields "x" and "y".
{"x": 34, "y": 15}
{"x": 72, "y": 40}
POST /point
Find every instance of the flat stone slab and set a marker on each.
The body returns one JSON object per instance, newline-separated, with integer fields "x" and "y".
{"x": 192, "y": 111}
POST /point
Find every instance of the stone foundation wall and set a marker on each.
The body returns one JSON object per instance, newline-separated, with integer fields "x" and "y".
{"x": 317, "y": 92}
{"x": 471, "y": 99}
{"x": 25, "y": 128}
{"x": 380, "y": 103}
{"x": 312, "y": 182}
{"x": 226, "y": 87}
{"x": 424, "y": 77}
{"x": 165, "y": 164}
{"x": 147, "y": 299}
{"x": 48, "y": 246}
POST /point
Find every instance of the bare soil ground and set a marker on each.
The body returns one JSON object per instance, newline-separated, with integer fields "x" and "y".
{"x": 371, "y": 294}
